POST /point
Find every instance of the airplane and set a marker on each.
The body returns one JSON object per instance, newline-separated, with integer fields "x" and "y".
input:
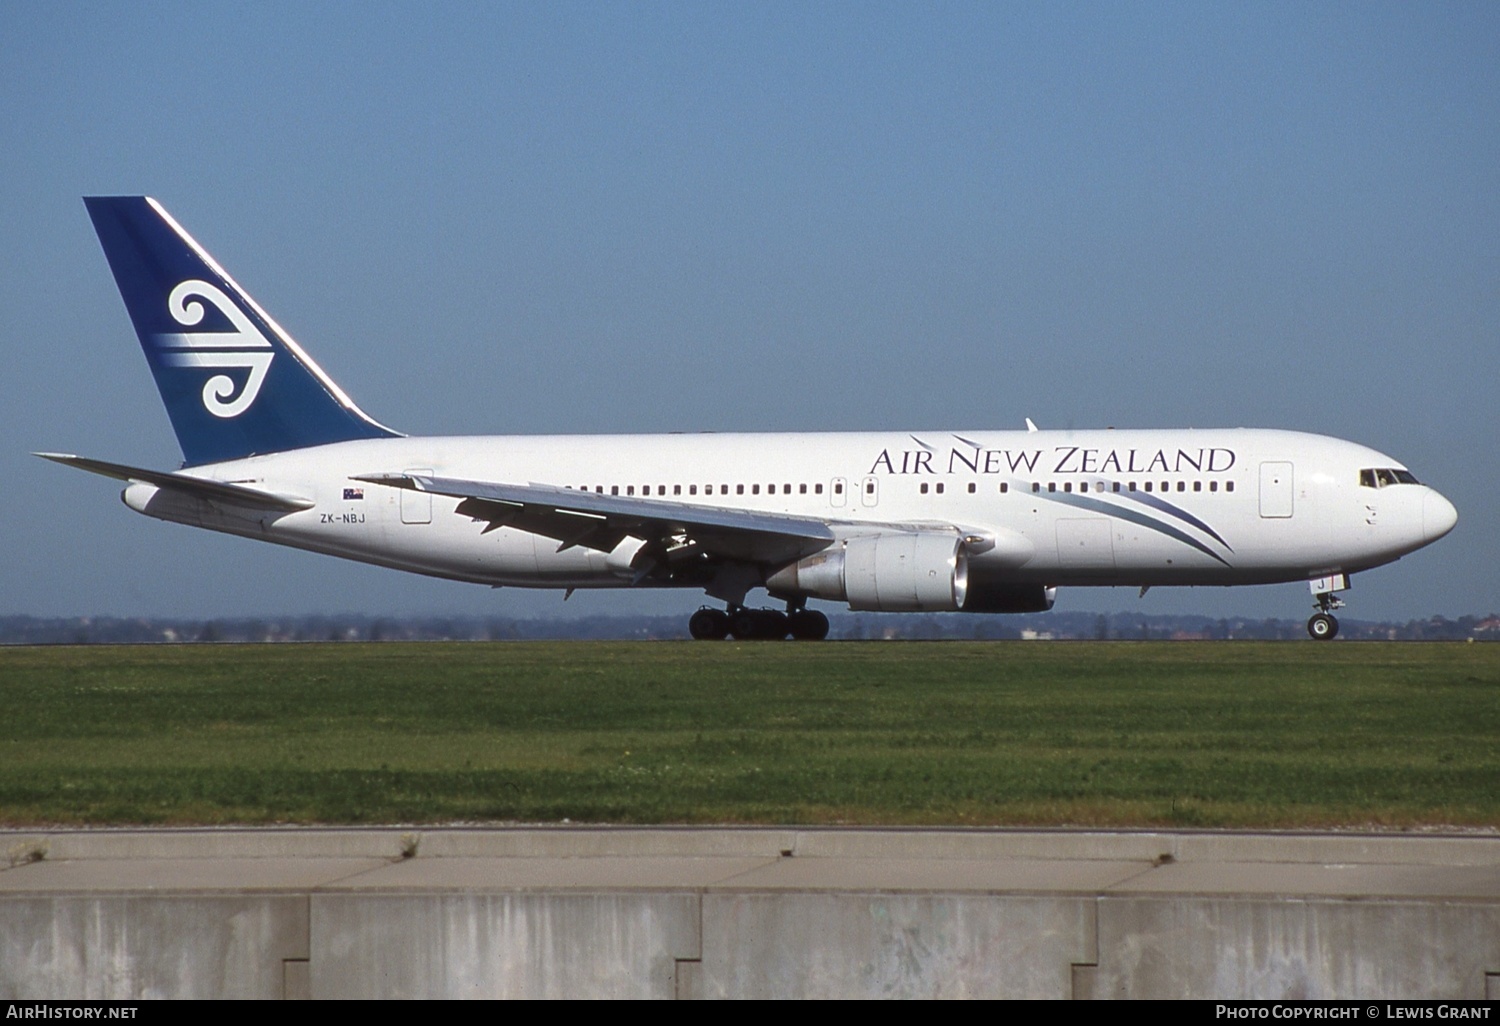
{"x": 971, "y": 521}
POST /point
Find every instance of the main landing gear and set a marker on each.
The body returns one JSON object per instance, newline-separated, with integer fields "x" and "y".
{"x": 1323, "y": 625}
{"x": 801, "y": 624}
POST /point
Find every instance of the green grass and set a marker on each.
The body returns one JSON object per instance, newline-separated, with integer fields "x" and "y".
{"x": 1118, "y": 734}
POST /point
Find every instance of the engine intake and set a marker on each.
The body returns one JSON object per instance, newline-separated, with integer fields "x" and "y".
{"x": 896, "y": 572}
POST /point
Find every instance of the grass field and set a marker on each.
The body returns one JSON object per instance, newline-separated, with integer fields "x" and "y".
{"x": 1118, "y": 734}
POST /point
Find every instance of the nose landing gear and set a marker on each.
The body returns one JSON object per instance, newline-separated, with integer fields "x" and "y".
{"x": 1323, "y": 625}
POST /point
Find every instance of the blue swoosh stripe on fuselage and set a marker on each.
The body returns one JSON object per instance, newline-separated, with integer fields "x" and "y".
{"x": 1176, "y": 511}
{"x": 1094, "y": 505}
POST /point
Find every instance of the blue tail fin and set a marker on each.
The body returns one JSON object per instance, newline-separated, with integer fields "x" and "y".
{"x": 234, "y": 383}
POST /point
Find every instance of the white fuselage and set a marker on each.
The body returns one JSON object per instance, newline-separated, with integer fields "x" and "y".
{"x": 1114, "y": 507}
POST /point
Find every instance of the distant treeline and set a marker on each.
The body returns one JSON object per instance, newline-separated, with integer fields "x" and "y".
{"x": 85, "y": 630}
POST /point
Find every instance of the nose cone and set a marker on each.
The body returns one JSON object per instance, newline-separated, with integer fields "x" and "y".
{"x": 1438, "y": 516}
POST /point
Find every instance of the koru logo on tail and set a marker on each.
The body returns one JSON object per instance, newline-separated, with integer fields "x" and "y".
{"x": 244, "y": 348}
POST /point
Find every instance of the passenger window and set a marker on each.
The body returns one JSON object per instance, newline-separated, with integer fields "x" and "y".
{"x": 630, "y": 489}
{"x": 755, "y": 489}
{"x": 972, "y": 486}
{"x": 1229, "y": 486}
{"x": 818, "y": 488}
{"x": 1083, "y": 486}
{"x": 838, "y": 489}
{"x": 677, "y": 489}
{"x": 1004, "y": 487}
{"x": 1036, "y": 486}
{"x": 923, "y": 488}
{"x": 786, "y": 489}
{"x": 1068, "y": 486}
{"x": 614, "y": 489}
{"x": 1132, "y": 486}
{"x": 869, "y": 487}
{"x": 739, "y": 489}
{"x": 1213, "y": 486}
{"x": 1117, "y": 486}
{"x": 1051, "y": 486}
{"x": 940, "y": 488}
{"x": 1148, "y": 486}
{"x": 692, "y": 489}
{"x": 802, "y": 489}
{"x": 770, "y": 489}
{"x": 723, "y": 489}
{"x": 1197, "y": 486}
{"x": 1182, "y": 486}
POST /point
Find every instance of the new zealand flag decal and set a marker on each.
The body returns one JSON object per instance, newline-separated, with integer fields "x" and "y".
{"x": 353, "y": 493}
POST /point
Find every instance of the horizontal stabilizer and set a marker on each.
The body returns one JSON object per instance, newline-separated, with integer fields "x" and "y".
{"x": 219, "y": 491}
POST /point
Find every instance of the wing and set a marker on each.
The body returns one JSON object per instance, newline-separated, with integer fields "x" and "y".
{"x": 588, "y": 519}
{"x": 197, "y": 487}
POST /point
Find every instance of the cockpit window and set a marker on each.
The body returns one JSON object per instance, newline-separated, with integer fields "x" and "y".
{"x": 1381, "y": 477}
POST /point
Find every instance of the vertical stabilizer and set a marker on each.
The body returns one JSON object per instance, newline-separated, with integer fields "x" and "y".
{"x": 234, "y": 383}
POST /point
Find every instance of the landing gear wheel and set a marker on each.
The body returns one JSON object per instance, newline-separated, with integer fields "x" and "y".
{"x": 1323, "y": 627}
{"x": 808, "y": 625}
{"x": 709, "y": 625}
{"x": 758, "y": 625}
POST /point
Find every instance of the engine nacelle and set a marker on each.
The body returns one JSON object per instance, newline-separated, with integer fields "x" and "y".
{"x": 898, "y": 572}
{"x": 995, "y": 597}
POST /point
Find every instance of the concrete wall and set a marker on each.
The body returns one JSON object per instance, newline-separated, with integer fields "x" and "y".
{"x": 748, "y": 913}
{"x": 502, "y": 945}
{"x": 149, "y": 946}
{"x": 1288, "y": 948}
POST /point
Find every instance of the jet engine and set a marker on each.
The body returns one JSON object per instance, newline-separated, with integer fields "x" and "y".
{"x": 896, "y": 572}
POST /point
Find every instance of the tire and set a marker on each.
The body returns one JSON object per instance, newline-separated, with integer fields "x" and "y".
{"x": 708, "y": 625}
{"x": 1322, "y": 627}
{"x": 744, "y": 625}
{"x": 808, "y": 625}
{"x": 758, "y": 625}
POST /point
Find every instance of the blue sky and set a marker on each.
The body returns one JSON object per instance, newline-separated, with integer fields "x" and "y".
{"x": 643, "y": 217}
